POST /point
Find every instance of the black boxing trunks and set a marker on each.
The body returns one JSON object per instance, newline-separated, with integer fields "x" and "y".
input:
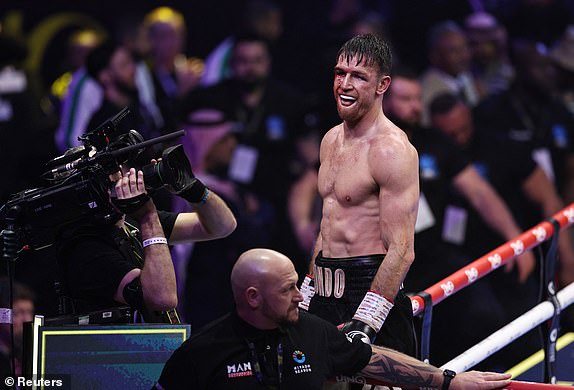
{"x": 340, "y": 286}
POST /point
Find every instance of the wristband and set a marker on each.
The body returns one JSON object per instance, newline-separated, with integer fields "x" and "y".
{"x": 154, "y": 240}
{"x": 448, "y": 376}
{"x": 308, "y": 291}
{"x": 204, "y": 197}
{"x": 373, "y": 310}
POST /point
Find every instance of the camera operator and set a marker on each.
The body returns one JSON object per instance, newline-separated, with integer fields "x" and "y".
{"x": 129, "y": 262}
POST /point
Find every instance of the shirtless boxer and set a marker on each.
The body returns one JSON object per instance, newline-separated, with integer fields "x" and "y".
{"x": 368, "y": 180}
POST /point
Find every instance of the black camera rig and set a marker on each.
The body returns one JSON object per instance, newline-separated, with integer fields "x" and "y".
{"x": 80, "y": 184}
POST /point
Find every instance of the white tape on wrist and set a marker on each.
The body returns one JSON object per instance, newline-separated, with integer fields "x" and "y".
{"x": 154, "y": 241}
{"x": 308, "y": 292}
{"x": 373, "y": 310}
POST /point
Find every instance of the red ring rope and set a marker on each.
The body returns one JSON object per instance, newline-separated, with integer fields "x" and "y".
{"x": 494, "y": 259}
{"x": 517, "y": 385}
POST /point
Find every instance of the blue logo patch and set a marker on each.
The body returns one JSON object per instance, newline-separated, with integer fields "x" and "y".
{"x": 428, "y": 166}
{"x": 482, "y": 169}
{"x": 275, "y": 128}
{"x": 560, "y": 135}
{"x": 298, "y": 357}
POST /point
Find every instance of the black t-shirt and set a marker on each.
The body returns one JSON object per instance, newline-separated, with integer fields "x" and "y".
{"x": 440, "y": 161}
{"x": 506, "y": 166}
{"x": 95, "y": 260}
{"x": 219, "y": 356}
{"x": 545, "y": 124}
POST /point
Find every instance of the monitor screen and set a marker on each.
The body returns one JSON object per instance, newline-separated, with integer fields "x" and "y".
{"x": 106, "y": 357}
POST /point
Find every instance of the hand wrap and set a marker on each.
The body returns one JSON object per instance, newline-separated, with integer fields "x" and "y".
{"x": 369, "y": 318}
{"x": 373, "y": 310}
{"x": 308, "y": 291}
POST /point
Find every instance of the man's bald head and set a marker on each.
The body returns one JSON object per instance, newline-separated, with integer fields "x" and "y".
{"x": 254, "y": 267}
{"x": 264, "y": 287}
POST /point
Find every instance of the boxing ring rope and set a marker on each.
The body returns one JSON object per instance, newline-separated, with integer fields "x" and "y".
{"x": 518, "y": 385}
{"x": 550, "y": 309}
{"x": 494, "y": 259}
{"x": 514, "y": 385}
{"x": 510, "y": 332}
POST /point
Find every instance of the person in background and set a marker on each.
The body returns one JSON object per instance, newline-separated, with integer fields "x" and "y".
{"x": 449, "y": 71}
{"x": 487, "y": 40}
{"x": 261, "y": 17}
{"x": 529, "y": 113}
{"x": 562, "y": 55}
{"x": 80, "y": 94}
{"x": 169, "y": 74}
{"x": 271, "y": 134}
{"x": 22, "y": 311}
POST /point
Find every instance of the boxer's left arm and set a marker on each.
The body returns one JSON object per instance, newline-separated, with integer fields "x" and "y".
{"x": 398, "y": 204}
{"x": 398, "y": 185}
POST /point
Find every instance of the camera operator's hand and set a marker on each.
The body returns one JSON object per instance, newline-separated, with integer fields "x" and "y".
{"x": 189, "y": 187}
{"x": 132, "y": 197}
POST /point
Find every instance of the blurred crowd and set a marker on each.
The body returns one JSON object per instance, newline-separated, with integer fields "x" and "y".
{"x": 489, "y": 108}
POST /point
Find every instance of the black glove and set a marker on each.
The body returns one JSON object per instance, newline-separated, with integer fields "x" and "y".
{"x": 194, "y": 192}
{"x": 356, "y": 329}
{"x": 174, "y": 171}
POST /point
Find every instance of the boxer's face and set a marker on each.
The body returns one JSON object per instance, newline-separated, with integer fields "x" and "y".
{"x": 281, "y": 296}
{"x": 356, "y": 87}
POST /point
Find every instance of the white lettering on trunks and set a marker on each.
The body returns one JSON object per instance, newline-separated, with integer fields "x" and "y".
{"x": 329, "y": 283}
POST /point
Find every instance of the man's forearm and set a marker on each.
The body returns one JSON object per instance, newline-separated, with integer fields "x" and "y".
{"x": 393, "y": 367}
{"x": 157, "y": 276}
{"x": 392, "y": 272}
{"x": 215, "y": 217}
{"x": 486, "y": 202}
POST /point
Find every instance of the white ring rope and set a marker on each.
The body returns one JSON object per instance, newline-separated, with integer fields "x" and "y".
{"x": 510, "y": 332}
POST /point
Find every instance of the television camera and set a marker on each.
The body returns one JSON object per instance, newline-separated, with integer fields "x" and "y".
{"x": 80, "y": 184}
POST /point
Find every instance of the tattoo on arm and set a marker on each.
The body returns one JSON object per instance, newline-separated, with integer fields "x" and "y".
{"x": 390, "y": 366}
